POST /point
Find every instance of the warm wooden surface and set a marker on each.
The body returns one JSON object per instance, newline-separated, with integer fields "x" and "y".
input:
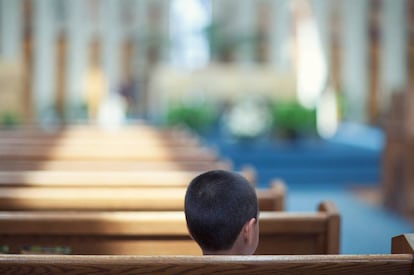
{"x": 95, "y": 178}
{"x": 138, "y": 142}
{"x": 165, "y": 232}
{"x": 306, "y": 264}
{"x": 135, "y": 130}
{"x": 110, "y": 165}
{"x": 106, "y": 178}
{"x": 403, "y": 244}
{"x": 398, "y": 154}
{"x": 107, "y": 153}
{"x": 110, "y": 198}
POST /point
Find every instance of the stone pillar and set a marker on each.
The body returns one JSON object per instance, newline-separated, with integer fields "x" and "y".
{"x": 279, "y": 34}
{"x": 224, "y": 29}
{"x": 164, "y": 26}
{"x": 140, "y": 60}
{"x": 393, "y": 70}
{"x": 76, "y": 59}
{"x": 140, "y": 53}
{"x": 44, "y": 82}
{"x": 112, "y": 108}
{"x": 12, "y": 99}
{"x": 110, "y": 40}
{"x": 246, "y": 31}
{"x": 354, "y": 58}
{"x": 155, "y": 101}
{"x": 11, "y": 29}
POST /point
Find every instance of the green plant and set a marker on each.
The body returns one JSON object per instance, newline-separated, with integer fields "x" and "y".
{"x": 197, "y": 117}
{"x": 292, "y": 119}
{"x": 9, "y": 119}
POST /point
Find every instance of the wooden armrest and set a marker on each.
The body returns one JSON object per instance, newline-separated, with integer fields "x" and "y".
{"x": 402, "y": 244}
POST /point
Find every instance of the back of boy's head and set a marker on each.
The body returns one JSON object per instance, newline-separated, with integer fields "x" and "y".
{"x": 217, "y": 205}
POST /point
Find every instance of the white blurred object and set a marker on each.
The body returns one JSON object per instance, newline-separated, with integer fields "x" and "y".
{"x": 112, "y": 113}
{"x": 248, "y": 118}
{"x": 327, "y": 114}
{"x": 190, "y": 47}
{"x": 312, "y": 65}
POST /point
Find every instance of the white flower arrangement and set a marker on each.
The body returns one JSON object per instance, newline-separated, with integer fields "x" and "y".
{"x": 248, "y": 118}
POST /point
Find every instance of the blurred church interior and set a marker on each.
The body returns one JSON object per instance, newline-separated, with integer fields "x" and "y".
{"x": 257, "y": 79}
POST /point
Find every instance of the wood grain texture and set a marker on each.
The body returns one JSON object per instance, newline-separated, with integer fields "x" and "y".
{"x": 111, "y": 198}
{"x": 120, "y": 232}
{"x": 306, "y": 264}
{"x": 139, "y": 142}
{"x": 111, "y": 165}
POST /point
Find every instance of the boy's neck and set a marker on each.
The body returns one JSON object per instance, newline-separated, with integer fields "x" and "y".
{"x": 223, "y": 252}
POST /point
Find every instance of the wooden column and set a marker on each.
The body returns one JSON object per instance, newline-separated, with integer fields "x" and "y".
{"x": 374, "y": 51}
{"x": 410, "y": 42}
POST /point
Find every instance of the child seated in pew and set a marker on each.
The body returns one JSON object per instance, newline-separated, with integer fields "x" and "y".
{"x": 221, "y": 212}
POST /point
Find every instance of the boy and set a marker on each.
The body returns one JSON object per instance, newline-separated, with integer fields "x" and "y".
{"x": 221, "y": 211}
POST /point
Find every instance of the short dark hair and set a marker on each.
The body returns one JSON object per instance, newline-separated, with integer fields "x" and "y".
{"x": 217, "y": 205}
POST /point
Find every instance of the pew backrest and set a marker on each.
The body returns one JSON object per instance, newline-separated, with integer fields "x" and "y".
{"x": 108, "y": 153}
{"x": 110, "y": 165}
{"x": 401, "y": 263}
{"x": 96, "y": 178}
{"x": 161, "y": 232}
{"x": 109, "y": 178}
{"x": 113, "y": 198}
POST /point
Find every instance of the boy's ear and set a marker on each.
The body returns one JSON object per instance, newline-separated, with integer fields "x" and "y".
{"x": 248, "y": 230}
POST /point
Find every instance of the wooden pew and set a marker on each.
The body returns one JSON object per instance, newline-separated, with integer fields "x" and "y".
{"x": 107, "y": 153}
{"x": 142, "y": 142}
{"x": 160, "y": 232}
{"x": 108, "y": 178}
{"x": 92, "y": 132}
{"x": 96, "y": 178}
{"x": 398, "y": 154}
{"x": 84, "y": 136}
{"x": 105, "y": 199}
{"x": 109, "y": 165}
{"x": 113, "y": 139}
{"x": 400, "y": 262}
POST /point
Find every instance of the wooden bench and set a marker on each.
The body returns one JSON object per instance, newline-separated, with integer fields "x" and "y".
{"x": 400, "y": 262}
{"x": 398, "y": 154}
{"x": 96, "y": 178}
{"x": 89, "y": 137}
{"x": 159, "y": 233}
{"x": 45, "y": 140}
{"x": 108, "y": 178}
{"x": 109, "y": 165}
{"x": 109, "y": 198}
{"x": 141, "y": 142}
{"x": 87, "y": 131}
{"x": 107, "y": 153}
